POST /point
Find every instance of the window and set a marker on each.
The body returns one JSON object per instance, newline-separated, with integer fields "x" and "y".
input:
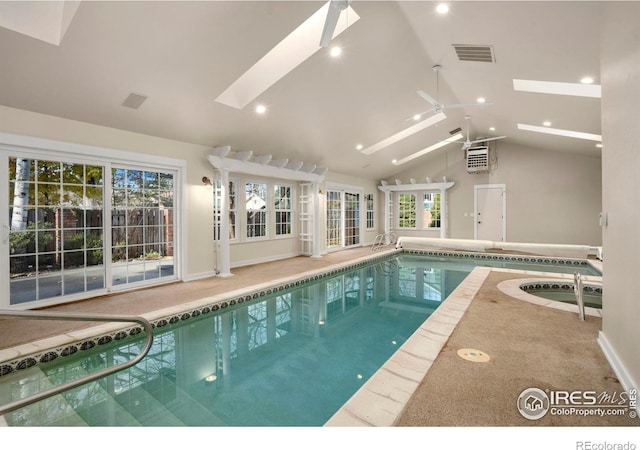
{"x": 256, "y": 207}
{"x": 407, "y": 211}
{"x": 431, "y": 210}
{"x": 370, "y": 209}
{"x": 282, "y": 206}
{"x": 343, "y": 218}
{"x": 351, "y": 219}
{"x": 233, "y": 209}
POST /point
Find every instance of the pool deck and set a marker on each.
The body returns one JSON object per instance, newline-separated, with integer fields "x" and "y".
{"x": 528, "y": 343}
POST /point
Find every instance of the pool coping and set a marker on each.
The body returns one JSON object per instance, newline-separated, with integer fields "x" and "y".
{"x": 381, "y": 399}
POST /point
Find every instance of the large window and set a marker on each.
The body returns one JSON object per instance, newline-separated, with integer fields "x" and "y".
{"x": 407, "y": 211}
{"x": 343, "y": 218}
{"x": 351, "y": 219}
{"x": 431, "y": 210}
{"x": 283, "y": 209}
{"x": 256, "y": 207}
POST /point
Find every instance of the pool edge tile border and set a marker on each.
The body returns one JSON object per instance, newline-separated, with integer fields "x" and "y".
{"x": 381, "y": 400}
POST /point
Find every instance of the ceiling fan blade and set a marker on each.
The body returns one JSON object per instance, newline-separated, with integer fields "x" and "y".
{"x": 428, "y": 98}
{"x": 465, "y": 105}
{"x": 333, "y": 14}
{"x": 488, "y": 139}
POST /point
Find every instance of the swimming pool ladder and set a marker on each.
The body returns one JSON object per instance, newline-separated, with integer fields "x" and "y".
{"x": 577, "y": 289}
{"x": 50, "y": 315}
{"x": 382, "y": 239}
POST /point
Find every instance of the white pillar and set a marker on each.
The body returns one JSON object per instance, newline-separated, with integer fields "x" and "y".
{"x": 387, "y": 212}
{"x": 316, "y": 220}
{"x": 223, "y": 242}
{"x": 443, "y": 213}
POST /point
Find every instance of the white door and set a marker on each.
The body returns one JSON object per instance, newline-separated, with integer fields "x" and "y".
{"x": 490, "y": 212}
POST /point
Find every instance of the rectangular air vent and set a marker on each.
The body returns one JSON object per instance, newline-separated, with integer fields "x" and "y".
{"x": 479, "y": 53}
{"x": 456, "y": 131}
{"x": 478, "y": 160}
{"x": 134, "y": 101}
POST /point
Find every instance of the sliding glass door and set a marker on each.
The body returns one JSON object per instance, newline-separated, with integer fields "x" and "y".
{"x": 75, "y": 229}
{"x": 343, "y": 218}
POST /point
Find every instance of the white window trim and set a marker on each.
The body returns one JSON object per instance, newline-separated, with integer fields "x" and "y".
{"x": 373, "y": 211}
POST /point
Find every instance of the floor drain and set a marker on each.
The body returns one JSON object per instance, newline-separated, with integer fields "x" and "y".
{"x": 474, "y": 355}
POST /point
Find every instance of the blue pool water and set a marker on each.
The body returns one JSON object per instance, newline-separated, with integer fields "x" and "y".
{"x": 286, "y": 359}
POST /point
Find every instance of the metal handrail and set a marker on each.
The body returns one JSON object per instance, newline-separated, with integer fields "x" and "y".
{"x": 380, "y": 240}
{"x": 577, "y": 289}
{"x": 49, "y": 315}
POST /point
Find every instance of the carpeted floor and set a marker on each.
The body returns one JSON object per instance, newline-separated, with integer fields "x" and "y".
{"x": 529, "y": 346}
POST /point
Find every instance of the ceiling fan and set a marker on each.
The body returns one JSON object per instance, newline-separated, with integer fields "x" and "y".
{"x": 333, "y": 14}
{"x": 468, "y": 143}
{"x": 439, "y": 107}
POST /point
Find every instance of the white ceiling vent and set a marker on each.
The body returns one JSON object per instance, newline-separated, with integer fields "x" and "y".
{"x": 478, "y": 160}
{"x": 479, "y": 53}
{"x": 134, "y": 101}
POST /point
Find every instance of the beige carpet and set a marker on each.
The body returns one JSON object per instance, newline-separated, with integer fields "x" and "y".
{"x": 529, "y": 346}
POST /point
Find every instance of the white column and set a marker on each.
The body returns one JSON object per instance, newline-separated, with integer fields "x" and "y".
{"x": 387, "y": 213}
{"x": 223, "y": 243}
{"x": 316, "y": 220}
{"x": 443, "y": 213}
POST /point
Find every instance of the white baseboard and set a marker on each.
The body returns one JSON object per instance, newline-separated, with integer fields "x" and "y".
{"x": 625, "y": 378}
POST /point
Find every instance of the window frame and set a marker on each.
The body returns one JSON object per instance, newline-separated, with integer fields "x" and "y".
{"x": 370, "y": 213}
{"x": 277, "y": 210}
{"x": 264, "y": 212}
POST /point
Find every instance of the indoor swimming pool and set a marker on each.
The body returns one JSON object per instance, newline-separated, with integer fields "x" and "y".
{"x": 281, "y": 357}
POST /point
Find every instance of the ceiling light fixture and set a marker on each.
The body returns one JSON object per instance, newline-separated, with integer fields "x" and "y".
{"x": 559, "y": 132}
{"x": 481, "y": 100}
{"x": 431, "y": 148}
{"x": 492, "y": 128}
{"x": 405, "y": 133}
{"x": 550, "y": 87}
{"x": 546, "y": 123}
{"x": 442, "y": 8}
{"x": 417, "y": 117}
{"x": 599, "y": 145}
{"x": 261, "y": 109}
{"x": 359, "y": 147}
{"x": 586, "y": 80}
{"x": 335, "y": 52}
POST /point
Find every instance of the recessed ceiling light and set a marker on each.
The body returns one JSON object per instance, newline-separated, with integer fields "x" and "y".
{"x": 492, "y": 128}
{"x": 335, "y": 52}
{"x": 442, "y": 8}
{"x": 417, "y": 117}
{"x": 393, "y": 161}
{"x": 261, "y": 109}
{"x": 586, "y": 80}
{"x": 481, "y": 100}
{"x": 359, "y": 147}
{"x": 599, "y": 145}
{"x": 559, "y": 132}
{"x": 549, "y": 87}
{"x": 546, "y": 123}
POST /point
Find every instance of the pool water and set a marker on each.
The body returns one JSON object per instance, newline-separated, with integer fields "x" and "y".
{"x": 292, "y": 358}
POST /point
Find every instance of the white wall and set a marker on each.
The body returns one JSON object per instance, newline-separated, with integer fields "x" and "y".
{"x": 620, "y": 72}
{"x": 552, "y": 197}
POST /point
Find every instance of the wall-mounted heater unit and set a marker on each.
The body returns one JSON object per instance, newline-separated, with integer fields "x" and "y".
{"x": 478, "y": 160}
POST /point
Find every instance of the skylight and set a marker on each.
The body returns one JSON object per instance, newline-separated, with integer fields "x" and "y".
{"x": 292, "y": 51}
{"x": 431, "y": 148}
{"x": 551, "y": 87}
{"x": 559, "y": 132}
{"x": 404, "y": 133}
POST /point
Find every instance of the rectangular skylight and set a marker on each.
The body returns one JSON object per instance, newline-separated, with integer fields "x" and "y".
{"x": 292, "y": 51}
{"x": 431, "y": 148}
{"x": 404, "y": 133}
{"x": 559, "y": 132}
{"x": 551, "y": 87}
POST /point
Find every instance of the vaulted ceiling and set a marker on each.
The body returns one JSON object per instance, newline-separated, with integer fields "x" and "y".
{"x": 183, "y": 55}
